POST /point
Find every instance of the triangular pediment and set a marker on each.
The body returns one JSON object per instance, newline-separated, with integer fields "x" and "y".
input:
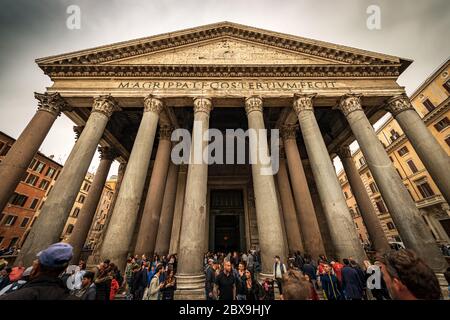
{"x": 224, "y": 50}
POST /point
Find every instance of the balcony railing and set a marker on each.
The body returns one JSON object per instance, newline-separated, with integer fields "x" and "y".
{"x": 436, "y": 199}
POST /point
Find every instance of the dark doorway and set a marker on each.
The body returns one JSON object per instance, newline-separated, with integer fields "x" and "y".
{"x": 227, "y": 233}
{"x": 226, "y": 220}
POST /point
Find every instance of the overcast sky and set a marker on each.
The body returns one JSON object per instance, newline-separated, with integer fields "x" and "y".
{"x": 32, "y": 29}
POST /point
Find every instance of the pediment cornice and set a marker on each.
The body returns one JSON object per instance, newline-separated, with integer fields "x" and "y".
{"x": 105, "y": 60}
{"x": 224, "y": 71}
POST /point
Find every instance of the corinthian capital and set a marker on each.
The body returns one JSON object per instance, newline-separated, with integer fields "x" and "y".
{"x": 151, "y": 103}
{"x": 107, "y": 153}
{"x": 253, "y": 103}
{"x": 349, "y": 103}
{"x": 165, "y": 132}
{"x": 105, "y": 104}
{"x": 344, "y": 152}
{"x": 288, "y": 131}
{"x": 51, "y": 102}
{"x": 78, "y": 130}
{"x": 303, "y": 102}
{"x": 398, "y": 104}
{"x": 202, "y": 105}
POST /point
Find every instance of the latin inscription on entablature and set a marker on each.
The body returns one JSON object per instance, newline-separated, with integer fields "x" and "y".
{"x": 220, "y": 87}
{"x": 227, "y": 85}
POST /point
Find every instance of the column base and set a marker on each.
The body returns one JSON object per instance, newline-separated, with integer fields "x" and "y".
{"x": 190, "y": 287}
{"x": 443, "y": 285}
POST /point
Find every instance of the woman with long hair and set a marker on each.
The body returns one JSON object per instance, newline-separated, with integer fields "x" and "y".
{"x": 252, "y": 289}
{"x": 169, "y": 286}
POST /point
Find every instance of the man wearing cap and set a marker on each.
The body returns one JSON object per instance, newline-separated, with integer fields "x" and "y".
{"x": 45, "y": 283}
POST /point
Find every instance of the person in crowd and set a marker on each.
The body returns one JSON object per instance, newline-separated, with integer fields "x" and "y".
{"x": 129, "y": 274}
{"x": 250, "y": 262}
{"x": 310, "y": 270}
{"x": 162, "y": 276}
{"x": 139, "y": 282}
{"x": 116, "y": 274}
{"x": 299, "y": 261}
{"x": 240, "y": 282}
{"x": 352, "y": 284}
{"x": 278, "y": 270}
{"x": 225, "y": 284}
{"x": 323, "y": 258}
{"x": 291, "y": 262}
{"x": 381, "y": 292}
{"x": 210, "y": 279}
{"x": 362, "y": 276}
{"x": 155, "y": 285}
{"x": 169, "y": 286}
{"x": 156, "y": 261}
{"x": 151, "y": 270}
{"x": 4, "y": 277}
{"x": 171, "y": 262}
{"x": 16, "y": 272}
{"x": 252, "y": 289}
{"x": 103, "y": 282}
{"x": 73, "y": 282}
{"x": 330, "y": 284}
{"x": 87, "y": 290}
{"x": 137, "y": 260}
{"x": 408, "y": 277}
{"x": 106, "y": 263}
{"x": 44, "y": 283}
{"x": 114, "y": 286}
{"x": 313, "y": 293}
{"x": 295, "y": 287}
{"x": 337, "y": 269}
{"x": 134, "y": 274}
{"x": 17, "y": 284}
{"x": 244, "y": 258}
{"x": 268, "y": 290}
{"x": 235, "y": 260}
{"x": 257, "y": 261}
{"x": 320, "y": 266}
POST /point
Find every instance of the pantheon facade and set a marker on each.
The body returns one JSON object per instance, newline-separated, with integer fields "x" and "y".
{"x": 128, "y": 98}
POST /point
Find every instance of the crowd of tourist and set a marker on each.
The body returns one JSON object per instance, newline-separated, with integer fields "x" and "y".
{"x": 150, "y": 279}
{"x": 228, "y": 276}
{"x": 402, "y": 276}
{"x": 52, "y": 278}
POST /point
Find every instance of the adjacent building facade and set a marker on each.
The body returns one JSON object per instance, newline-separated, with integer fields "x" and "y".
{"x": 101, "y": 212}
{"x": 24, "y": 207}
{"x": 29, "y": 195}
{"x": 432, "y": 102}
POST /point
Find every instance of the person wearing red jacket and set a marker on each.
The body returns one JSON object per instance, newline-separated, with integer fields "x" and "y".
{"x": 114, "y": 288}
{"x": 337, "y": 268}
